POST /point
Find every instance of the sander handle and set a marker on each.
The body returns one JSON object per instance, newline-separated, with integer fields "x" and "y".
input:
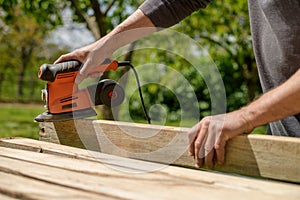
{"x": 48, "y": 72}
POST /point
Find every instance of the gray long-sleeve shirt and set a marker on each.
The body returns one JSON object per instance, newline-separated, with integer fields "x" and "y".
{"x": 275, "y": 27}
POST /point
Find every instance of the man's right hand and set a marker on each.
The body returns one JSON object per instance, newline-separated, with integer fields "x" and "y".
{"x": 91, "y": 56}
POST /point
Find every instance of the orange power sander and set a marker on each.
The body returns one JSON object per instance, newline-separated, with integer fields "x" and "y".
{"x": 64, "y": 99}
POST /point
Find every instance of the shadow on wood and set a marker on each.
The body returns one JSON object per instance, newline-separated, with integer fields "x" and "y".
{"x": 66, "y": 132}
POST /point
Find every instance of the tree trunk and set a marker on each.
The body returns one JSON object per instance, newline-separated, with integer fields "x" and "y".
{"x": 21, "y": 76}
{"x": 21, "y": 82}
{"x": 25, "y": 57}
{"x": 32, "y": 87}
{"x": 1, "y": 81}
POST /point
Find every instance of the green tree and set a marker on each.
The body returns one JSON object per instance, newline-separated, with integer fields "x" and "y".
{"x": 22, "y": 50}
{"x": 224, "y": 29}
{"x": 24, "y": 25}
{"x": 100, "y": 17}
{"x": 46, "y": 13}
{"x": 19, "y": 41}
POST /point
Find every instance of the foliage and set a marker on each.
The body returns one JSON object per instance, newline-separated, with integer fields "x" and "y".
{"x": 224, "y": 30}
{"x": 23, "y": 49}
{"x": 46, "y": 13}
{"x": 102, "y": 16}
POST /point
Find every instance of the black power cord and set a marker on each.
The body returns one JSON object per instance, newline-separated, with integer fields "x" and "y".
{"x": 127, "y": 63}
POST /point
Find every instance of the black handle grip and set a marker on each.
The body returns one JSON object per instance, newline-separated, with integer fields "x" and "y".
{"x": 48, "y": 72}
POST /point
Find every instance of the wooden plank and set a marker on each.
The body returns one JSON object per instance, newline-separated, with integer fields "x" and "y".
{"x": 5, "y": 197}
{"x": 30, "y": 174}
{"x": 252, "y": 155}
{"x": 22, "y": 187}
{"x": 82, "y": 154}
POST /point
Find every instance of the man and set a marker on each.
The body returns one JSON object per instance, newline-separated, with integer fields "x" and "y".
{"x": 275, "y": 29}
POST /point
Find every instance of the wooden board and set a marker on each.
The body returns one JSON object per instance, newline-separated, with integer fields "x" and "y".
{"x": 252, "y": 155}
{"x": 31, "y": 169}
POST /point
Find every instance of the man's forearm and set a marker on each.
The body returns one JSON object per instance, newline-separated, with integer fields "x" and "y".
{"x": 151, "y": 15}
{"x": 281, "y": 102}
{"x": 136, "y": 26}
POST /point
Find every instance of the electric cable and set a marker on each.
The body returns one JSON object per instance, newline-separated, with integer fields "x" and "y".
{"x": 127, "y": 63}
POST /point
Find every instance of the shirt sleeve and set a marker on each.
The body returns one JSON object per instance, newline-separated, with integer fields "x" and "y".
{"x": 166, "y": 13}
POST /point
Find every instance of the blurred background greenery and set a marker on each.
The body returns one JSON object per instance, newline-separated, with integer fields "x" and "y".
{"x": 33, "y": 32}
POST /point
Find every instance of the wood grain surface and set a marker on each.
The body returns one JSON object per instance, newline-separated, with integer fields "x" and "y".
{"x": 31, "y": 169}
{"x": 271, "y": 157}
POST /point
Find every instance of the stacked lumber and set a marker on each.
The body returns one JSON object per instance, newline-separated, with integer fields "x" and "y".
{"x": 264, "y": 156}
{"x": 31, "y": 169}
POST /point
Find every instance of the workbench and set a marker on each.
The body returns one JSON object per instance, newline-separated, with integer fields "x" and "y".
{"x": 31, "y": 169}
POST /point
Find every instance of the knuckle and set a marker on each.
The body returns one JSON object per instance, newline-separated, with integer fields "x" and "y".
{"x": 197, "y": 144}
{"x": 208, "y": 148}
{"x": 206, "y": 121}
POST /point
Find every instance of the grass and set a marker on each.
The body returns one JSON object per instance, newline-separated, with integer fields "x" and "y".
{"x": 16, "y": 120}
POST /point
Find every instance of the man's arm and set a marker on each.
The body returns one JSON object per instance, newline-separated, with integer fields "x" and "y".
{"x": 152, "y": 15}
{"x": 166, "y": 13}
{"x": 276, "y": 104}
{"x": 95, "y": 53}
{"x": 209, "y": 136}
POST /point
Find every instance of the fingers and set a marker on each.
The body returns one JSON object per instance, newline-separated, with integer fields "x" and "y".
{"x": 209, "y": 158}
{"x": 96, "y": 75}
{"x": 79, "y": 54}
{"x": 72, "y": 56}
{"x": 192, "y": 137}
{"x": 220, "y": 150}
{"x": 199, "y": 142}
{"x": 207, "y": 142}
{"x": 85, "y": 55}
{"x": 83, "y": 73}
{"x": 65, "y": 57}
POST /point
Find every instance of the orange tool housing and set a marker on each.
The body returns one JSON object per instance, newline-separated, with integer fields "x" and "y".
{"x": 63, "y": 94}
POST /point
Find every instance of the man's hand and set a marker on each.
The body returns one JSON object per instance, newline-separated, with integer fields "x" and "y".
{"x": 91, "y": 56}
{"x": 209, "y": 136}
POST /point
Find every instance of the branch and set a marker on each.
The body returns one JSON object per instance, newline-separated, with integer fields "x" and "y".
{"x": 109, "y": 6}
{"x": 89, "y": 21}
{"x": 99, "y": 17}
{"x": 77, "y": 10}
{"x": 218, "y": 43}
